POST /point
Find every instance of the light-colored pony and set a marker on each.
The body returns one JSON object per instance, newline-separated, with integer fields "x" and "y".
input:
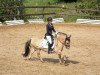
{"x": 60, "y": 40}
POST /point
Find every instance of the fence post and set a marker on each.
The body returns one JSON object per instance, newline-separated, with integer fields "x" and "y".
{"x": 43, "y": 11}
{"x": 62, "y": 12}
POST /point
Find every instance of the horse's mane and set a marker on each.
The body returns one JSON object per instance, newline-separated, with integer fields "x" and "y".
{"x": 62, "y": 33}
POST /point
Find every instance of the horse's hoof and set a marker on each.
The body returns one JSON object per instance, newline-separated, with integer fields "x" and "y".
{"x": 64, "y": 61}
{"x": 23, "y": 54}
{"x": 25, "y": 59}
{"x": 29, "y": 58}
{"x": 42, "y": 61}
{"x": 60, "y": 63}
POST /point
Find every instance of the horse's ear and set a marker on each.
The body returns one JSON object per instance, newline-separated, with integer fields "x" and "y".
{"x": 69, "y": 36}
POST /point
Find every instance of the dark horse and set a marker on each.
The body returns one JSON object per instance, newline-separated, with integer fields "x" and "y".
{"x": 60, "y": 40}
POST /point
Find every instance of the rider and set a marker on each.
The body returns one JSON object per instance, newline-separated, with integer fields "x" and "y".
{"x": 49, "y": 36}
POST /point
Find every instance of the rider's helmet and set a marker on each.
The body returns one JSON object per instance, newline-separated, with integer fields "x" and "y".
{"x": 49, "y": 19}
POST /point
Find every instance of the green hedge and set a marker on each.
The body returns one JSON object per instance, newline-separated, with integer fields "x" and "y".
{"x": 40, "y": 2}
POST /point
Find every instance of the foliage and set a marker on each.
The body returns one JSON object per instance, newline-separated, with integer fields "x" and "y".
{"x": 39, "y": 2}
{"x": 98, "y": 1}
{"x": 67, "y": 1}
{"x": 81, "y": 4}
{"x": 10, "y": 11}
{"x": 89, "y": 4}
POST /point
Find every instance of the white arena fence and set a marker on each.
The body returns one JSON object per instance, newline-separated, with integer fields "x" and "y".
{"x": 32, "y": 21}
{"x": 55, "y": 20}
{"x": 87, "y": 21}
{"x": 15, "y": 22}
{"x": 58, "y": 20}
{"x": 39, "y": 21}
{"x": 0, "y": 24}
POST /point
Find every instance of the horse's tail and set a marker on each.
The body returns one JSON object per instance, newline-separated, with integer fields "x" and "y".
{"x": 27, "y": 49}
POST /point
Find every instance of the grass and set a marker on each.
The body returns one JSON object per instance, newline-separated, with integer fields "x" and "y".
{"x": 49, "y": 10}
{"x": 39, "y": 2}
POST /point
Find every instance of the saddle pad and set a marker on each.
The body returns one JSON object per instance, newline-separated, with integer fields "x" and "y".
{"x": 44, "y": 44}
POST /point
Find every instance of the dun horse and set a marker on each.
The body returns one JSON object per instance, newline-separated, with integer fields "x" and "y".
{"x": 60, "y": 40}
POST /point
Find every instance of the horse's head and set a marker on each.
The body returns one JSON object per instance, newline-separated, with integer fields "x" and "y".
{"x": 64, "y": 39}
{"x": 67, "y": 41}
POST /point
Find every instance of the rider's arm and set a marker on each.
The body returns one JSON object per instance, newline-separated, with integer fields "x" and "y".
{"x": 53, "y": 29}
{"x": 48, "y": 28}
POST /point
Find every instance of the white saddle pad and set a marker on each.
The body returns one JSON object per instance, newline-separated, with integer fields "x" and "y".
{"x": 44, "y": 44}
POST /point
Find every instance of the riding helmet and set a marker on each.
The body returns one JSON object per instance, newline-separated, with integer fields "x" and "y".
{"x": 49, "y": 19}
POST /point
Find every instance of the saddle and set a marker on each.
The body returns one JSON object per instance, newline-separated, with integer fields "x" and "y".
{"x": 44, "y": 43}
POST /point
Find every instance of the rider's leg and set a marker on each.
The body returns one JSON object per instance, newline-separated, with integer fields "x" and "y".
{"x": 49, "y": 48}
{"x": 52, "y": 39}
{"x": 49, "y": 43}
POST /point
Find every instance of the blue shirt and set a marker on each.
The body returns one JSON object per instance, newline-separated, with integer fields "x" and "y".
{"x": 49, "y": 29}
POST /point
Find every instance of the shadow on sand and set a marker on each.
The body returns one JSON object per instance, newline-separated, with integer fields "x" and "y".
{"x": 56, "y": 61}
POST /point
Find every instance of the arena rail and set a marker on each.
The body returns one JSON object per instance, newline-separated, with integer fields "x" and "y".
{"x": 53, "y": 13}
{"x": 63, "y": 7}
{"x": 26, "y": 15}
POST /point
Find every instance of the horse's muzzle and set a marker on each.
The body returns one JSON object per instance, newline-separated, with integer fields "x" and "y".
{"x": 67, "y": 46}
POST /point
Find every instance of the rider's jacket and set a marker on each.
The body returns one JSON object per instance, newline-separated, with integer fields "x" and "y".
{"x": 49, "y": 29}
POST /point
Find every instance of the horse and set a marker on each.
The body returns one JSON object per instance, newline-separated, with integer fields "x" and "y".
{"x": 60, "y": 40}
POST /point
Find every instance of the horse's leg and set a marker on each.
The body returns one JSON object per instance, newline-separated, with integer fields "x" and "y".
{"x": 31, "y": 52}
{"x": 59, "y": 55}
{"x": 39, "y": 55}
{"x": 64, "y": 59}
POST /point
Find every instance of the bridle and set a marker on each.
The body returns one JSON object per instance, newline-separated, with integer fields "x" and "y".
{"x": 64, "y": 43}
{"x": 66, "y": 38}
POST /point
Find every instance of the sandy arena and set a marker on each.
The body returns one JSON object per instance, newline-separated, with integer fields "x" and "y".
{"x": 83, "y": 56}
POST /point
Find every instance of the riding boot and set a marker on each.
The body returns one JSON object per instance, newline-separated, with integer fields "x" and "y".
{"x": 49, "y": 48}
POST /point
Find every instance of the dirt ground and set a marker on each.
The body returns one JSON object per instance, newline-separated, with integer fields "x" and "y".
{"x": 83, "y": 56}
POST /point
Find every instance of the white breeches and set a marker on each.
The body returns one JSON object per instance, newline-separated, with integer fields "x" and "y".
{"x": 49, "y": 39}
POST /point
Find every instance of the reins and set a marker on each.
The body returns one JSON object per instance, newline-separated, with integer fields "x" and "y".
{"x": 64, "y": 43}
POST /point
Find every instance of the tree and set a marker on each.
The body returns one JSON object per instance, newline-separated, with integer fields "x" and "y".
{"x": 89, "y": 4}
{"x": 4, "y": 10}
{"x": 68, "y": 1}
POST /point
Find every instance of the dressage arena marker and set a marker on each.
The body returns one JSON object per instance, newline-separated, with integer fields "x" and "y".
{"x": 58, "y": 20}
{"x": 31, "y": 21}
{"x": 87, "y": 21}
{"x": 15, "y": 22}
{"x": 0, "y": 24}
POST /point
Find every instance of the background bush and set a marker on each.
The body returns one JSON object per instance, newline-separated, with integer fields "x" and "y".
{"x": 81, "y": 4}
{"x": 10, "y": 11}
